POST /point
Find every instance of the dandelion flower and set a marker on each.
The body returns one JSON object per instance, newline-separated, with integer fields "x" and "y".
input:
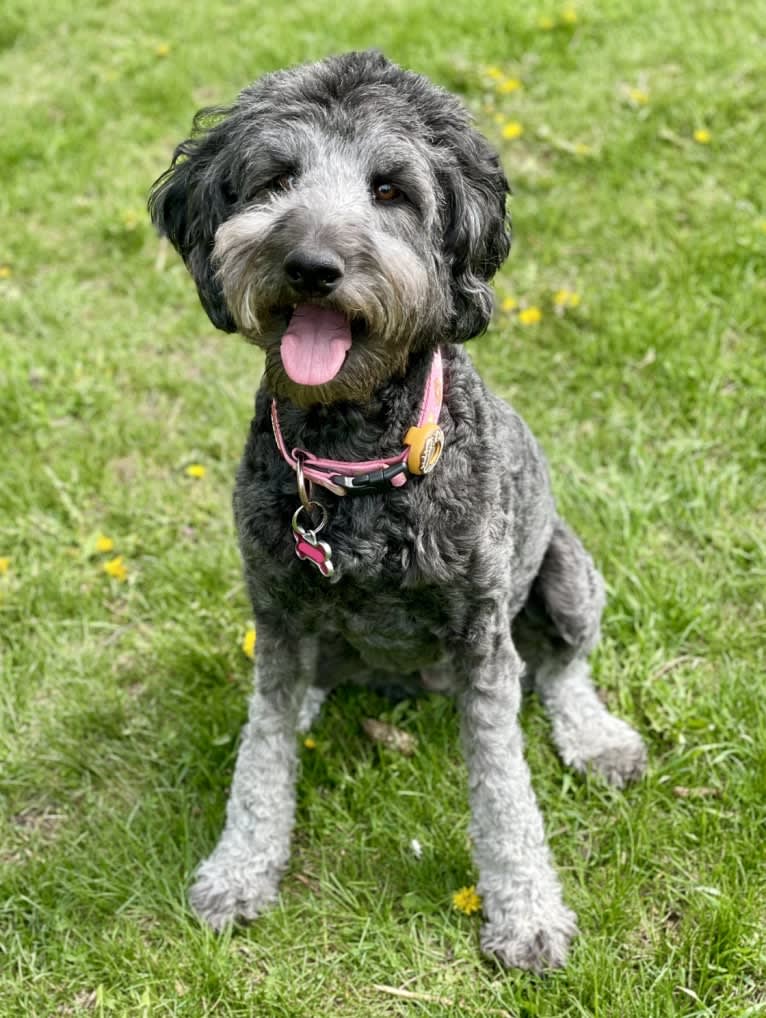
{"x": 248, "y": 642}
{"x": 569, "y": 16}
{"x": 196, "y": 470}
{"x": 5, "y": 565}
{"x": 508, "y": 85}
{"x": 116, "y": 568}
{"x": 162, "y": 50}
{"x": 467, "y": 900}
{"x": 513, "y": 129}
{"x": 508, "y": 304}
{"x": 762, "y": 225}
{"x": 494, "y": 72}
{"x": 104, "y": 544}
{"x": 309, "y": 743}
{"x": 530, "y": 316}
{"x": 130, "y": 219}
{"x": 638, "y": 97}
{"x": 702, "y": 136}
{"x": 546, "y": 23}
{"x": 566, "y": 299}
{"x": 5, "y": 272}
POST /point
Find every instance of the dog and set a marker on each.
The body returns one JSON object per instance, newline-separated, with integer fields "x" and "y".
{"x": 347, "y": 218}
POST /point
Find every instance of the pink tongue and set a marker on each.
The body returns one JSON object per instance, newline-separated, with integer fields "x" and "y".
{"x": 315, "y": 344}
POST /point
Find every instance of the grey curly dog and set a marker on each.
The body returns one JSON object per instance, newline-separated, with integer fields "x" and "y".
{"x": 346, "y": 217}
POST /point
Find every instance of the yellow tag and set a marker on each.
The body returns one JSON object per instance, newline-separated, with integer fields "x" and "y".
{"x": 426, "y": 444}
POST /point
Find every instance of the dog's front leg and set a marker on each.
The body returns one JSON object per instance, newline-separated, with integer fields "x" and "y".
{"x": 528, "y": 926}
{"x": 242, "y": 875}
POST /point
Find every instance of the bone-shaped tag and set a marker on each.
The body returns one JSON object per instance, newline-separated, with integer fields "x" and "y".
{"x": 319, "y": 553}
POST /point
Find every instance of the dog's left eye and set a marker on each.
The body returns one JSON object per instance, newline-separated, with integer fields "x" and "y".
{"x": 385, "y": 191}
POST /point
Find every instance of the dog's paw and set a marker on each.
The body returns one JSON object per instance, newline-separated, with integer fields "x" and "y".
{"x": 534, "y": 940}
{"x": 223, "y": 893}
{"x": 618, "y": 755}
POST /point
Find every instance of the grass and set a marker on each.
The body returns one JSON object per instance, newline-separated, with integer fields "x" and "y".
{"x": 121, "y": 700}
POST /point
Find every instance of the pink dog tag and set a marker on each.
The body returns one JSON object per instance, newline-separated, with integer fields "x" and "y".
{"x": 318, "y": 552}
{"x": 307, "y": 547}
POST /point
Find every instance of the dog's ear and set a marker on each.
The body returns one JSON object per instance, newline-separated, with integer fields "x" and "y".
{"x": 187, "y": 205}
{"x": 477, "y": 230}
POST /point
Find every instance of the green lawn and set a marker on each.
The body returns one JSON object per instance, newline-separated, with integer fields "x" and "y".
{"x": 121, "y": 698}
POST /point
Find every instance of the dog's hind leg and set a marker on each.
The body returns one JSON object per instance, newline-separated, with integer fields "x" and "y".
{"x": 311, "y": 707}
{"x": 555, "y": 633}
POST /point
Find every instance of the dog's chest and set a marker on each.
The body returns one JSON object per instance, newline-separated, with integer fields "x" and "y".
{"x": 399, "y": 576}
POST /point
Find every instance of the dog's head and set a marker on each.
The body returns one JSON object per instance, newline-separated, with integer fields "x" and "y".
{"x": 341, "y": 215}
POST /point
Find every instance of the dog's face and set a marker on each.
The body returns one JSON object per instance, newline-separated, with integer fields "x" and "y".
{"x": 340, "y": 215}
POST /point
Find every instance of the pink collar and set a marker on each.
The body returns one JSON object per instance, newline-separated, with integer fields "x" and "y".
{"x": 423, "y": 446}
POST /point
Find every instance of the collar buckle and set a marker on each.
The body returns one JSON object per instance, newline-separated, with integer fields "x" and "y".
{"x": 375, "y": 480}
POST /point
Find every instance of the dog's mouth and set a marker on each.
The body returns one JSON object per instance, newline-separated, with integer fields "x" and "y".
{"x": 315, "y": 343}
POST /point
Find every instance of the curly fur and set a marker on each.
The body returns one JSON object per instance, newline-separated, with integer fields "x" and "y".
{"x": 451, "y": 582}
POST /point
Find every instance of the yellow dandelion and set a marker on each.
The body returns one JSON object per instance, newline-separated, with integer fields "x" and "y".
{"x": 638, "y": 97}
{"x": 508, "y": 85}
{"x": 762, "y": 225}
{"x": 494, "y": 72}
{"x": 116, "y": 568}
{"x": 5, "y": 272}
{"x": 530, "y": 316}
{"x": 5, "y": 565}
{"x": 309, "y": 743}
{"x": 508, "y": 304}
{"x": 130, "y": 219}
{"x": 546, "y": 24}
{"x": 104, "y": 544}
{"x": 566, "y": 299}
{"x": 467, "y": 900}
{"x": 513, "y": 129}
{"x": 569, "y": 16}
{"x": 581, "y": 149}
{"x": 248, "y": 643}
{"x": 702, "y": 136}
{"x": 162, "y": 50}
{"x": 195, "y": 470}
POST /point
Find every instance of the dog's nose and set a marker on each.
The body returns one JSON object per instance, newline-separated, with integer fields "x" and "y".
{"x": 311, "y": 272}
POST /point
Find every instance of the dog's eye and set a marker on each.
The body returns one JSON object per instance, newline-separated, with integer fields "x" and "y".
{"x": 385, "y": 191}
{"x": 284, "y": 182}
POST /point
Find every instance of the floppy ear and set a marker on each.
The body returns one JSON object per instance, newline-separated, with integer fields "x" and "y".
{"x": 477, "y": 232}
{"x": 189, "y": 202}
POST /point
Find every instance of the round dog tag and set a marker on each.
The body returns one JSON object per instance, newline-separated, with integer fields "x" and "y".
{"x": 426, "y": 444}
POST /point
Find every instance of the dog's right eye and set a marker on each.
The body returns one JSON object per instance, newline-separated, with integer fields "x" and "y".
{"x": 385, "y": 191}
{"x": 282, "y": 182}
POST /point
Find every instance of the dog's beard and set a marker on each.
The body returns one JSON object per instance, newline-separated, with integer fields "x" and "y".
{"x": 379, "y": 314}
